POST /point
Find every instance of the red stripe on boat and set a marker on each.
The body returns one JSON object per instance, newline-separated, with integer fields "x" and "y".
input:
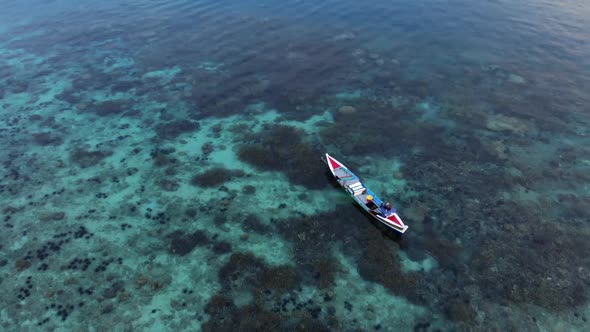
{"x": 394, "y": 217}
{"x": 333, "y": 163}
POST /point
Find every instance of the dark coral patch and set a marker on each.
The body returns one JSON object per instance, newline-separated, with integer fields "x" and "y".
{"x": 254, "y": 317}
{"x": 53, "y": 216}
{"x": 219, "y": 307}
{"x": 212, "y": 178}
{"x": 241, "y": 269}
{"x": 169, "y": 184}
{"x": 460, "y": 310}
{"x": 353, "y": 139}
{"x": 323, "y": 271}
{"x": 381, "y": 264}
{"x": 47, "y": 138}
{"x": 310, "y": 236}
{"x": 69, "y": 96}
{"x": 221, "y": 247}
{"x": 279, "y": 278}
{"x": 86, "y": 158}
{"x": 282, "y": 148}
{"x": 253, "y": 224}
{"x": 244, "y": 271}
{"x": 113, "y": 290}
{"x": 109, "y": 107}
{"x": 163, "y": 156}
{"x": 272, "y": 288}
{"x": 182, "y": 243}
{"x": 124, "y": 86}
{"x": 544, "y": 276}
{"x": 447, "y": 253}
{"x": 171, "y": 130}
{"x": 249, "y": 190}
{"x": 259, "y": 157}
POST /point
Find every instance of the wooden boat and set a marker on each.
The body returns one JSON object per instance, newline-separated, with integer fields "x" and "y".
{"x": 366, "y": 198}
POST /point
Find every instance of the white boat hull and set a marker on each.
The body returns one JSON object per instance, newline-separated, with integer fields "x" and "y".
{"x": 355, "y": 188}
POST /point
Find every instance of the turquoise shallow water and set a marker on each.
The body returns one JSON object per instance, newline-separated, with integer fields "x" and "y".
{"x": 161, "y": 165}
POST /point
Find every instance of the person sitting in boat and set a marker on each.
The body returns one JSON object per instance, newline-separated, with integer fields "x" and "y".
{"x": 370, "y": 204}
{"x": 387, "y": 206}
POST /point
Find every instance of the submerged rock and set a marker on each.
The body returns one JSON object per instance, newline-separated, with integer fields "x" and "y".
{"x": 22, "y": 264}
{"x": 501, "y": 122}
{"x": 516, "y": 79}
{"x": 498, "y": 149}
{"x": 347, "y": 109}
{"x": 56, "y": 216}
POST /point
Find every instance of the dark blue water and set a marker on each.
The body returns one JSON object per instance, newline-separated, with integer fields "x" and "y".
{"x": 161, "y": 165}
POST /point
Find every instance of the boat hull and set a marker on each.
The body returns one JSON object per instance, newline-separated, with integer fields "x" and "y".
{"x": 360, "y": 194}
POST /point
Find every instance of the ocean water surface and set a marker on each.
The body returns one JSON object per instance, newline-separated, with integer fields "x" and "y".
{"x": 161, "y": 165}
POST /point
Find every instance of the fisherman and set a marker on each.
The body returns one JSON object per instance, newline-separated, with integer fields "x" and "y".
{"x": 388, "y": 206}
{"x": 370, "y": 204}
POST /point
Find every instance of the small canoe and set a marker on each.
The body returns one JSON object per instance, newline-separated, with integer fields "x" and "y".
{"x": 366, "y": 198}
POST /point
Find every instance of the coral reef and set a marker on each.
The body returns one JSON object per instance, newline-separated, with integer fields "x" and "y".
{"x": 181, "y": 243}
{"x": 46, "y": 138}
{"x": 380, "y": 264}
{"x": 350, "y": 137}
{"x": 282, "y": 148}
{"x": 543, "y": 276}
{"x": 241, "y": 269}
{"x": 171, "y": 130}
{"x": 460, "y": 310}
{"x": 252, "y": 223}
{"x": 249, "y": 190}
{"x": 501, "y": 122}
{"x": 162, "y": 156}
{"x": 255, "y": 318}
{"x": 244, "y": 272}
{"x": 218, "y": 307}
{"x": 494, "y": 164}
{"x": 169, "y": 184}
{"x": 85, "y": 158}
{"x": 323, "y": 271}
{"x": 221, "y": 247}
{"x": 213, "y": 177}
{"x": 279, "y": 278}
{"x": 109, "y": 107}
{"x": 52, "y": 216}
{"x": 309, "y": 235}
